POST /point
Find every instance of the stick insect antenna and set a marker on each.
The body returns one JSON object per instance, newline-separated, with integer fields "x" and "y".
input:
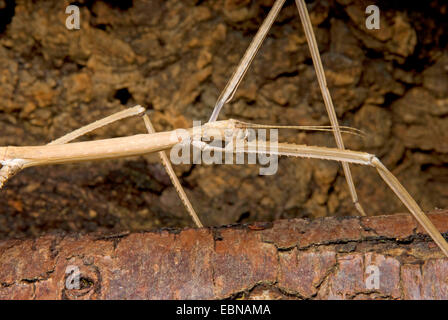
{"x": 343, "y": 129}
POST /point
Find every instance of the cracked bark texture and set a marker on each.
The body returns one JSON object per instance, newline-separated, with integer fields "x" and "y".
{"x": 174, "y": 57}
{"x": 324, "y": 258}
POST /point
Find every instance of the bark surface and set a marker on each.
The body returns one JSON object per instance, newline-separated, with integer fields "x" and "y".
{"x": 327, "y": 258}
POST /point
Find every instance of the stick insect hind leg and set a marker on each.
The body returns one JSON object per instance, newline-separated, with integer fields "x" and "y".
{"x": 236, "y": 78}
{"x": 11, "y": 168}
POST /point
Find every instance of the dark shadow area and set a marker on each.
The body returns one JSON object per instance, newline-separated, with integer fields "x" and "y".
{"x": 6, "y": 13}
{"x": 123, "y": 95}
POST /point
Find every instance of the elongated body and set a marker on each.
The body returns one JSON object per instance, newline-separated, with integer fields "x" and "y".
{"x": 14, "y": 159}
{"x": 109, "y": 148}
{"x": 91, "y": 150}
{"x": 56, "y": 153}
{"x": 148, "y": 143}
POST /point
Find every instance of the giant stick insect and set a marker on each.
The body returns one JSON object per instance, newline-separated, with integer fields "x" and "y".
{"x": 14, "y": 159}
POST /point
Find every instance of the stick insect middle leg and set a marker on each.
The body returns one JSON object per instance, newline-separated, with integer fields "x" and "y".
{"x": 236, "y": 78}
{"x": 176, "y": 183}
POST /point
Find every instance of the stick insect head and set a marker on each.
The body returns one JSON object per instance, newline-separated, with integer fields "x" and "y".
{"x": 221, "y": 129}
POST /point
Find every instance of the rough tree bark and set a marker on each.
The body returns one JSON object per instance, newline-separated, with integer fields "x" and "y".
{"x": 288, "y": 259}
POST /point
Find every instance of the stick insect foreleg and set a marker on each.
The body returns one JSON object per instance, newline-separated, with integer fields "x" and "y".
{"x": 347, "y": 156}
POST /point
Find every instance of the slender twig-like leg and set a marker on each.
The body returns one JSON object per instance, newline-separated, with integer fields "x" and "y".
{"x": 134, "y": 111}
{"x": 303, "y": 151}
{"x": 312, "y": 43}
{"x": 169, "y": 169}
{"x": 245, "y": 62}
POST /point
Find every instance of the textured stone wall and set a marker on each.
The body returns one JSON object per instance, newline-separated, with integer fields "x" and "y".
{"x": 174, "y": 57}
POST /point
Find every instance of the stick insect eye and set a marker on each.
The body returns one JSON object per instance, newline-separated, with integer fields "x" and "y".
{"x": 242, "y": 134}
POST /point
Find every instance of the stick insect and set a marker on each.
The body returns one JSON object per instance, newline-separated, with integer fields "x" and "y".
{"x": 13, "y": 159}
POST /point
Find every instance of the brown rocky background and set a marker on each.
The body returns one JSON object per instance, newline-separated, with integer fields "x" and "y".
{"x": 174, "y": 57}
